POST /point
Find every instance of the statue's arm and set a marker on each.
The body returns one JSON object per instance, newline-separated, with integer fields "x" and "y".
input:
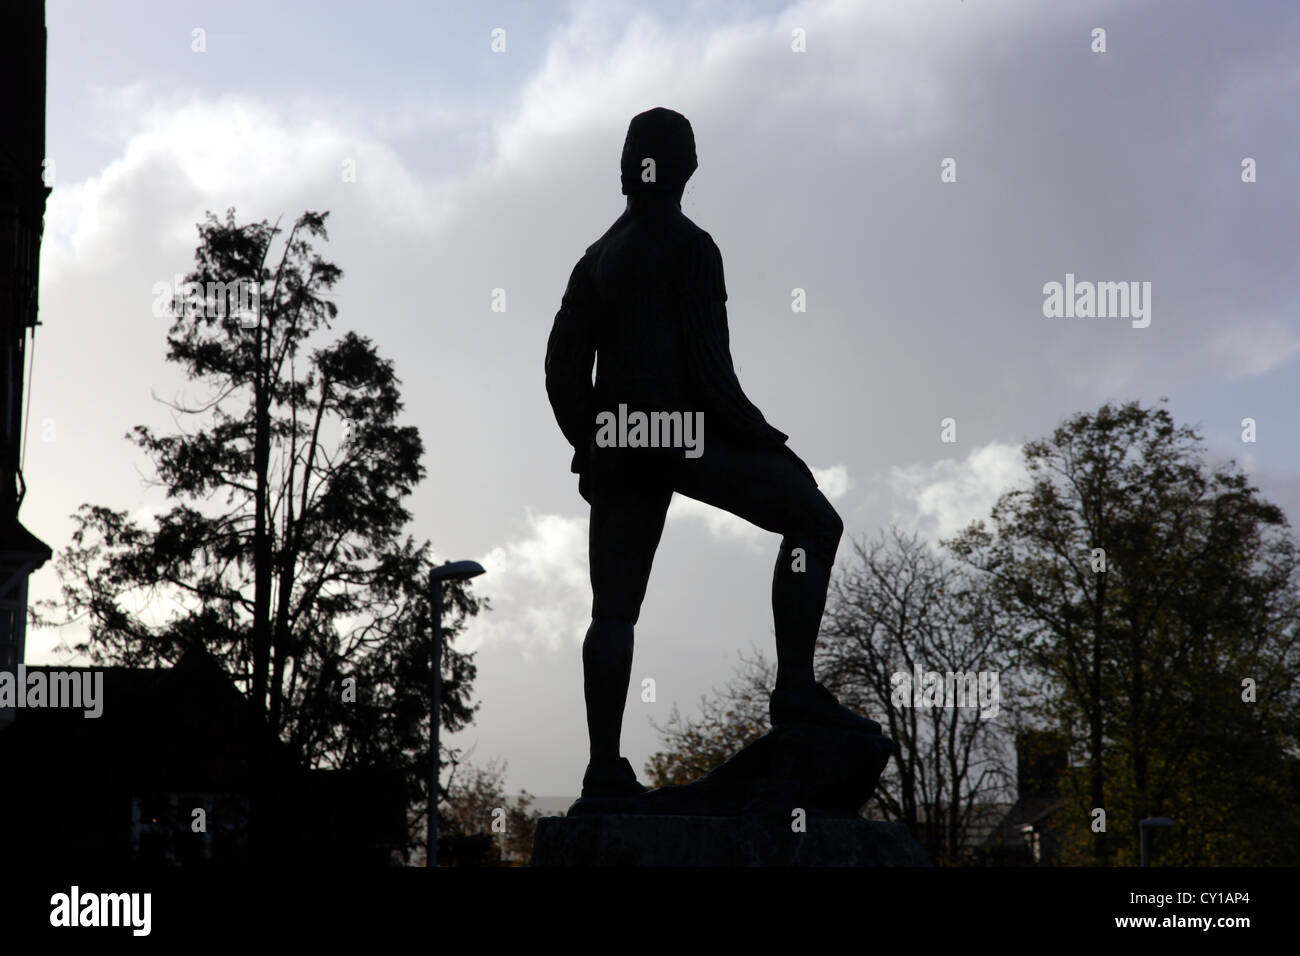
{"x": 570, "y": 354}
{"x": 704, "y": 306}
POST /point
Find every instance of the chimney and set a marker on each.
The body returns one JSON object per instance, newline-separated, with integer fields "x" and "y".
{"x": 1041, "y": 758}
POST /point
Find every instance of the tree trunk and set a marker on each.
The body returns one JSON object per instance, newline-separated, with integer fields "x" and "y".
{"x": 262, "y": 571}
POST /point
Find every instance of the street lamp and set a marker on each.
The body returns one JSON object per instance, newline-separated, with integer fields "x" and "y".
{"x": 1145, "y": 826}
{"x": 450, "y": 571}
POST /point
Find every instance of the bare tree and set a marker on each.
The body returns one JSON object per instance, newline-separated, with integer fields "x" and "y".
{"x": 898, "y": 613}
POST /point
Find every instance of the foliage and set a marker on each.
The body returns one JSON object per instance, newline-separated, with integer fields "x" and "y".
{"x": 282, "y": 553}
{"x": 1148, "y": 587}
{"x": 729, "y": 721}
{"x": 483, "y": 825}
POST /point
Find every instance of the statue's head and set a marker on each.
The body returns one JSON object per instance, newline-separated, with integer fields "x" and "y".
{"x": 665, "y": 137}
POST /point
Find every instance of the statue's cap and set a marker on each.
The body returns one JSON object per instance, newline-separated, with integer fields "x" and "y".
{"x": 666, "y": 137}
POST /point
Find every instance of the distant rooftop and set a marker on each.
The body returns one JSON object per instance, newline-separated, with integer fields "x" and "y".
{"x": 553, "y": 806}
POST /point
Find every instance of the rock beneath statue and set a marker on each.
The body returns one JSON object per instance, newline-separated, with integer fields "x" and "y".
{"x": 824, "y": 771}
{"x": 649, "y": 840}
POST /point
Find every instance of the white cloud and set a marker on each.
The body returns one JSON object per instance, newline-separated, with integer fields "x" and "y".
{"x": 834, "y": 481}
{"x": 610, "y": 59}
{"x": 723, "y": 525}
{"x": 183, "y": 155}
{"x": 943, "y": 497}
{"x": 538, "y": 586}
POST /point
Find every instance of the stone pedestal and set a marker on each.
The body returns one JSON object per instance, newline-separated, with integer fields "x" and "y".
{"x": 649, "y": 840}
{"x": 790, "y": 798}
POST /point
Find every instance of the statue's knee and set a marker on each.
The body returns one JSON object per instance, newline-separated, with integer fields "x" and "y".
{"x": 820, "y": 537}
{"x": 615, "y": 604}
{"x": 609, "y": 628}
{"x": 825, "y": 533}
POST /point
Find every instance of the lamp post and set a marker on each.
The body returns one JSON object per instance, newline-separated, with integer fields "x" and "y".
{"x": 450, "y": 571}
{"x": 1145, "y": 826}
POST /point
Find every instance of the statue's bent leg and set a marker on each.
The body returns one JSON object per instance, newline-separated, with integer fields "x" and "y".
{"x": 626, "y": 525}
{"x": 770, "y": 487}
{"x": 767, "y": 487}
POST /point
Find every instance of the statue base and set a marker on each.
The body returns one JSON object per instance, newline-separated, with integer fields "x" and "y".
{"x": 650, "y": 840}
{"x": 790, "y": 798}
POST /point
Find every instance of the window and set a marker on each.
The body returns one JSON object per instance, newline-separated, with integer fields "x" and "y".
{"x": 163, "y": 828}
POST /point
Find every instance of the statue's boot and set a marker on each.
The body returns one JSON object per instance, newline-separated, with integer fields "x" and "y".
{"x": 611, "y": 779}
{"x": 816, "y": 705}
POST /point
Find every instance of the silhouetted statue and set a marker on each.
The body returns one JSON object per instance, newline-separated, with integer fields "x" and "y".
{"x": 667, "y": 414}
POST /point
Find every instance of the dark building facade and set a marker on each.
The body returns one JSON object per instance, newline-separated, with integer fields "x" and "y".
{"x": 178, "y": 770}
{"x": 22, "y": 218}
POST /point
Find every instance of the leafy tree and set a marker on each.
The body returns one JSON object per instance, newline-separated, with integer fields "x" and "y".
{"x": 283, "y": 554}
{"x": 483, "y": 825}
{"x": 729, "y": 721}
{"x": 897, "y": 610}
{"x": 1148, "y": 587}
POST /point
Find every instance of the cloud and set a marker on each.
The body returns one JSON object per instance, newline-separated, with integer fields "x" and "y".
{"x": 186, "y": 154}
{"x": 1254, "y": 348}
{"x": 720, "y": 524}
{"x": 538, "y": 586}
{"x": 834, "y": 481}
{"x": 941, "y": 498}
{"x": 611, "y": 58}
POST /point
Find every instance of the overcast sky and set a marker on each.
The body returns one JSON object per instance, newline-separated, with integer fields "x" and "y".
{"x": 818, "y": 170}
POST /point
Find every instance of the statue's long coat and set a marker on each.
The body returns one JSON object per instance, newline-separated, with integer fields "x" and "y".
{"x": 648, "y": 299}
